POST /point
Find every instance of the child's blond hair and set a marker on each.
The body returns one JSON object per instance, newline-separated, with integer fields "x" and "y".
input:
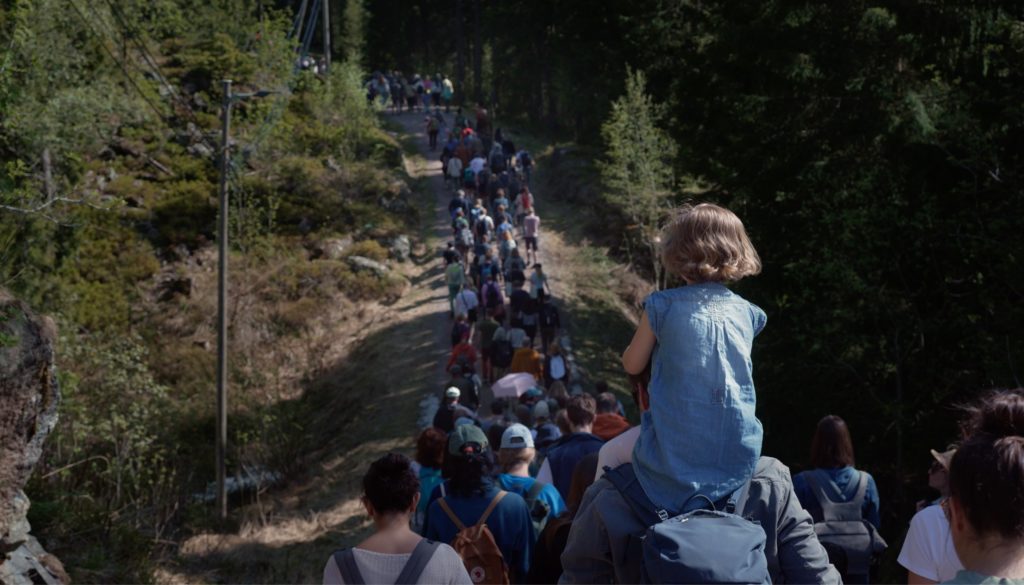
{"x": 708, "y": 243}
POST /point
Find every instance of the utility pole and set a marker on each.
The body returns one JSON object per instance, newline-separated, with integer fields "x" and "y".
{"x": 327, "y": 34}
{"x": 222, "y": 300}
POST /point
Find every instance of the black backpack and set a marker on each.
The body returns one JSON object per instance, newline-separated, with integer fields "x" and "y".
{"x": 548, "y": 316}
{"x": 493, "y": 299}
{"x": 849, "y": 540}
{"x": 502, "y": 353}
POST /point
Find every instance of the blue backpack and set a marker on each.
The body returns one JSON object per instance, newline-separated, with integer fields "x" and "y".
{"x": 700, "y": 546}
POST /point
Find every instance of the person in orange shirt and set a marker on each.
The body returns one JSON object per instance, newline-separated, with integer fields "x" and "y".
{"x": 464, "y": 350}
{"x": 528, "y": 360}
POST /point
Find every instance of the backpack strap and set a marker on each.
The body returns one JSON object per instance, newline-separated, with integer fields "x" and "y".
{"x": 535, "y": 489}
{"x": 862, "y": 489}
{"x": 346, "y": 561}
{"x": 413, "y": 568}
{"x": 624, "y": 479}
{"x": 490, "y": 507}
{"x": 830, "y": 509}
{"x": 451, "y": 515}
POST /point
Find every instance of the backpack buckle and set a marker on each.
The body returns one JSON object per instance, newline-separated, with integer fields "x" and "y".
{"x": 663, "y": 515}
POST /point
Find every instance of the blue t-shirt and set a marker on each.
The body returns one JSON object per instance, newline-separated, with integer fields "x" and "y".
{"x": 701, "y": 435}
{"x": 522, "y": 486}
{"x": 847, "y": 480}
{"x": 509, "y": 522}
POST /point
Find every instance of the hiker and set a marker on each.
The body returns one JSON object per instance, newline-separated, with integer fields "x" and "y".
{"x": 466, "y": 303}
{"x": 455, "y": 277}
{"x": 702, "y": 389}
{"x": 550, "y": 324}
{"x": 517, "y": 303}
{"x": 523, "y": 204}
{"x": 508, "y": 149}
{"x": 516, "y": 454}
{"x": 530, "y": 318}
{"x": 450, "y": 410}
{"x": 833, "y": 480}
{"x": 547, "y": 560}
{"x": 531, "y": 229}
{"x": 453, "y": 172}
{"x": 433, "y": 127}
{"x": 463, "y": 354}
{"x": 462, "y": 379}
{"x": 500, "y": 201}
{"x": 494, "y": 301}
{"x": 472, "y": 498}
{"x": 506, "y": 247}
{"x": 525, "y": 162}
{"x": 600, "y": 546}
{"x": 461, "y": 328}
{"x": 394, "y": 553}
{"x": 545, "y": 432}
{"x": 502, "y": 352}
{"x": 450, "y": 255}
{"x": 928, "y": 553}
{"x": 608, "y": 424}
{"x": 430, "y": 447}
{"x": 938, "y": 476}
{"x": 556, "y": 367}
{"x": 539, "y": 288}
{"x": 986, "y": 500}
{"x": 447, "y": 92}
{"x": 527, "y": 360}
{"x": 458, "y": 203}
{"x": 499, "y": 415}
{"x": 563, "y": 456}
{"x": 515, "y": 272}
{"x": 488, "y": 326}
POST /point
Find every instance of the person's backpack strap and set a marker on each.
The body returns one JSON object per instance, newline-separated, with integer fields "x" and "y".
{"x": 413, "y": 568}
{"x": 624, "y": 479}
{"x": 346, "y": 561}
{"x": 739, "y": 497}
{"x": 862, "y": 489}
{"x": 490, "y": 507}
{"x": 832, "y": 510}
{"x": 451, "y": 515}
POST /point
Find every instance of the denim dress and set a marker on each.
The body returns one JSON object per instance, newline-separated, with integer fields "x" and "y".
{"x": 701, "y": 435}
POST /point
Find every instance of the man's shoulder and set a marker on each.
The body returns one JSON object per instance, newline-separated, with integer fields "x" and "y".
{"x": 770, "y": 469}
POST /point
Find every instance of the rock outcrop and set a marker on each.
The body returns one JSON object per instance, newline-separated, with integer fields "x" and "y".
{"x": 28, "y": 412}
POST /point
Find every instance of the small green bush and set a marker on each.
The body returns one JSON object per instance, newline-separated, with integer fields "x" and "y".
{"x": 186, "y": 214}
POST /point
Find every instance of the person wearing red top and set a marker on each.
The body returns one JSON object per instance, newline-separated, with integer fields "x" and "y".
{"x": 608, "y": 424}
{"x": 464, "y": 350}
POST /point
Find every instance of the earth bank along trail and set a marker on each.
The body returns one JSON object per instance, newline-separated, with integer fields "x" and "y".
{"x": 387, "y": 384}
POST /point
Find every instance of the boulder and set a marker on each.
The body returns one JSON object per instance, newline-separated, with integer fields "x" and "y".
{"x": 29, "y": 397}
{"x": 200, "y": 150}
{"x": 334, "y": 248}
{"x": 362, "y": 263}
{"x": 400, "y": 247}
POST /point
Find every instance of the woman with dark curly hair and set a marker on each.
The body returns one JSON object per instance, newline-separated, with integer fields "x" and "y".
{"x": 472, "y": 497}
{"x": 429, "y": 457}
{"x": 394, "y": 553}
{"x": 986, "y": 502}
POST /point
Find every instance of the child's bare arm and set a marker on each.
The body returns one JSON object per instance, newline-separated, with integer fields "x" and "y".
{"x": 636, "y": 356}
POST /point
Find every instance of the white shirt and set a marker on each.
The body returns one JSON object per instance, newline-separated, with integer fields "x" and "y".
{"x": 617, "y": 451}
{"x": 477, "y": 164}
{"x": 455, "y": 167}
{"x": 557, "y": 368}
{"x": 465, "y": 302}
{"x": 928, "y": 549}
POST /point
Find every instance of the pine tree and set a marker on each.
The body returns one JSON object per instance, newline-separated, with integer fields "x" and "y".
{"x": 638, "y": 171}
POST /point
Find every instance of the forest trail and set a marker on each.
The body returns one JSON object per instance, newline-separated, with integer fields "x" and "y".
{"x": 387, "y": 372}
{"x": 287, "y": 536}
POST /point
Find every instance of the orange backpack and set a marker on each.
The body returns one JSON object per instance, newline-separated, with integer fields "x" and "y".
{"x": 477, "y": 547}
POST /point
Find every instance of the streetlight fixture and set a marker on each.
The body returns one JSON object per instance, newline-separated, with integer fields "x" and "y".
{"x": 222, "y": 291}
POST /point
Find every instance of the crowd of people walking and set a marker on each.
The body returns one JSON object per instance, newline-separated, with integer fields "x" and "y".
{"x": 527, "y": 475}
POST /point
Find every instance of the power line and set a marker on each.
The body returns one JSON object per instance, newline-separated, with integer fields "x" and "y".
{"x": 124, "y": 69}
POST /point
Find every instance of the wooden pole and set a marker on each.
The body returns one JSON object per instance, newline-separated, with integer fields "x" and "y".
{"x": 222, "y": 301}
{"x": 327, "y": 35}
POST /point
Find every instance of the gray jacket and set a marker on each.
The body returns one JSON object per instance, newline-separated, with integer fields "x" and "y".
{"x": 602, "y": 547}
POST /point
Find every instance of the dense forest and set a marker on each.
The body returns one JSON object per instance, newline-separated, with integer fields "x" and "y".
{"x": 873, "y": 151}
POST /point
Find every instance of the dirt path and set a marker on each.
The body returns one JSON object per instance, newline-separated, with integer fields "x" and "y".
{"x": 376, "y": 397}
{"x": 372, "y": 400}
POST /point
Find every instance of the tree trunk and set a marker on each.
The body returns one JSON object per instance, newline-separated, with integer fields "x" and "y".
{"x": 460, "y": 53}
{"x": 478, "y": 54}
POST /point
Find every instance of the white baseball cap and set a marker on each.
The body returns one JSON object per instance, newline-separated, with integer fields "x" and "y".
{"x": 452, "y": 392}
{"x": 517, "y": 436}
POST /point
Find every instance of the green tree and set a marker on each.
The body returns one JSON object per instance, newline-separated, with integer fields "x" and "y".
{"x": 638, "y": 172}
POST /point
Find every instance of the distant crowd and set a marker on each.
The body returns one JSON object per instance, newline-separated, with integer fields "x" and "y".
{"x": 530, "y": 475}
